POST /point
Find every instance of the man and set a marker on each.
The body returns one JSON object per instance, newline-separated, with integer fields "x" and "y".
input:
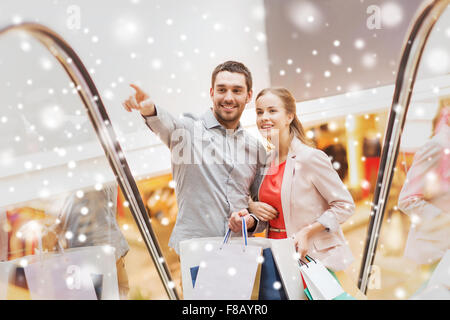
{"x": 214, "y": 160}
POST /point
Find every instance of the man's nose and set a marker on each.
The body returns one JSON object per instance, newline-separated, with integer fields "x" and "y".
{"x": 228, "y": 96}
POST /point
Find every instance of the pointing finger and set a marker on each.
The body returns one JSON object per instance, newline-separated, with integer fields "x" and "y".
{"x": 131, "y": 103}
{"x": 124, "y": 104}
{"x": 129, "y": 106}
{"x": 134, "y": 102}
{"x": 135, "y": 87}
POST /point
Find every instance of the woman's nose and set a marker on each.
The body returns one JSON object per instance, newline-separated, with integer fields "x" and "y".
{"x": 264, "y": 115}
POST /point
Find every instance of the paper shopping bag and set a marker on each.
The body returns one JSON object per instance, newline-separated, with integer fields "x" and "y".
{"x": 286, "y": 261}
{"x": 305, "y": 288}
{"x": 319, "y": 281}
{"x": 72, "y": 274}
{"x": 256, "y": 285}
{"x": 437, "y": 287}
{"x": 229, "y": 271}
{"x": 441, "y": 275}
{"x": 59, "y": 279}
{"x": 271, "y": 286}
{"x": 283, "y": 250}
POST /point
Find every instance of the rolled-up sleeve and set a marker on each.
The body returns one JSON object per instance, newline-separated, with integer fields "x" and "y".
{"x": 329, "y": 185}
{"x": 259, "y": 227}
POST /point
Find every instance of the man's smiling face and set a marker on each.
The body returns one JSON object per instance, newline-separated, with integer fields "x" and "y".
{"x": 229, "y": 96}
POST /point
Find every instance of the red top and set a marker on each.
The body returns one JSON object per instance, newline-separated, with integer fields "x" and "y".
{"x": 270, "y": 193}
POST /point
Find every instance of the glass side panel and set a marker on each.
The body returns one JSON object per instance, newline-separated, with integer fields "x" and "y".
{"x": 65, "y": 231}
{"x": 413, "y": 257}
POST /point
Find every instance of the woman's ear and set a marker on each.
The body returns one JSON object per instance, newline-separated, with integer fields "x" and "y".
{"x": 290, "y": 118}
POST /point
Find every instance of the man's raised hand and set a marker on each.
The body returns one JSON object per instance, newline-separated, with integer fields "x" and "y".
{"x": 140, "y": 101}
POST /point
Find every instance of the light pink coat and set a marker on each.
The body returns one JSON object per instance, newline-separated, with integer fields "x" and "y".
{"x": 425, "y": 197}
{"x": 312, "y": 191}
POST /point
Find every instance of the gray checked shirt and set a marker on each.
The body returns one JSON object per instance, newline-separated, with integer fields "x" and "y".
{"x": 214, "y": 169}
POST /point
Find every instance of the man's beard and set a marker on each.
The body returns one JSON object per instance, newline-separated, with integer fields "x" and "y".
{"x": 229, "y": 118}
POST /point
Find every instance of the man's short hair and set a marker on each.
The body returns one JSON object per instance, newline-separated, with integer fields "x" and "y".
{"x": 233, "y": 66}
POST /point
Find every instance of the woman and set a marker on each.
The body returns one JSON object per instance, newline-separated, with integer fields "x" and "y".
{"x": 301, "y": 185}
{"x": 425, "y": 196}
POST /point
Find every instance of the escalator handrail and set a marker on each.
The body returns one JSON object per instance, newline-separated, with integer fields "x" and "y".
{"x": 412, "y": 51}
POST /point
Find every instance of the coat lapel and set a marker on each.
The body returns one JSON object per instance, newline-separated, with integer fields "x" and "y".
{"x": 286, "y": 185}
{"x": 286, "y": 189}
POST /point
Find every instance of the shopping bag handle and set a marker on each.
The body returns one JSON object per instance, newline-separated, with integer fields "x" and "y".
{"x": 226, "y": 239}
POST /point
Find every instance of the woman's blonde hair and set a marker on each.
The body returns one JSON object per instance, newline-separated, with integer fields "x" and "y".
{"x": 290, "y": 106}
{"x": 444, "y": 103}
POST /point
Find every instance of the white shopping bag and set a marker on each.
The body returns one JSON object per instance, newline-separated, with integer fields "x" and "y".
{"x": 321, "y": 284}
{"x": 437, "y": 287}
{"x": 71, "y": 275}
{"x": 283, "y": 250}
{"x": 226, "y": 271}
{"x": 441, "y": 275}
{"x": 286, "y": 260}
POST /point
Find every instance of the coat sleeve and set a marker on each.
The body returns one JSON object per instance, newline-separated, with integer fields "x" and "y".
{"x": 411, "y": 200}
{"x": 327, "y": 182}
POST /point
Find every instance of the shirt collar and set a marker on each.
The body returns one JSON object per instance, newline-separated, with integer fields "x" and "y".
{"x": 210, "y": 120}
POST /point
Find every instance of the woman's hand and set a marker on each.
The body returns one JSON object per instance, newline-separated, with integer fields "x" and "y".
{"x": 263, "y": 211}
{"x": 302, "y": 237}
{"x": 301, "y": 241}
